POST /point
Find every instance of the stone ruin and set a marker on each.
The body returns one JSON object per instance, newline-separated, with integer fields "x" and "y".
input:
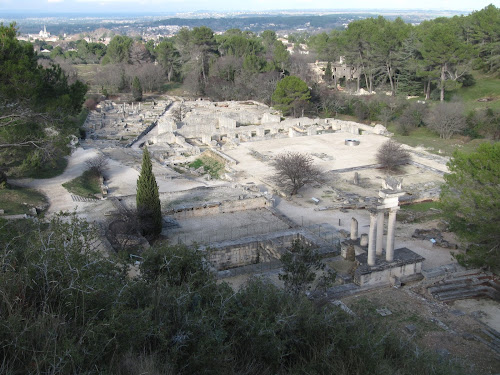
{"x": 226, "y": 124}
{"x": 181, "y": 129}
{"x": 377, "y": 265}
{"x": 122, "y": 122}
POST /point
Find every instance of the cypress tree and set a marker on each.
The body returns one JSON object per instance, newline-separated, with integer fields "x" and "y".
{"x": 137, "y": 89}
{"x": 328, "y": 72}
{"x": 148, "y": 198}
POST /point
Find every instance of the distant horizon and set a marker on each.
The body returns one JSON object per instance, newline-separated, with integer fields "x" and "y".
{"x": 152, "y": 7}
{"x": 103, "y": 13}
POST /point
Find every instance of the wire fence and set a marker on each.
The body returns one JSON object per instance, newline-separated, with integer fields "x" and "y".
{"x": 230, "y": 233}
{"x": 324, "y": 231}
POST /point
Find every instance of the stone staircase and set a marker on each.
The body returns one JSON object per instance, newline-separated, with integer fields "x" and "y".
{"x": 468, "y": 284}
{"x": 491, "y": 338}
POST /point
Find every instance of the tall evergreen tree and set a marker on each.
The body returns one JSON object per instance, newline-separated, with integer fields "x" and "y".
{"x": 328, "y": 72}
{"x": 148, "y": 198}
{"x": 137, "y": 89}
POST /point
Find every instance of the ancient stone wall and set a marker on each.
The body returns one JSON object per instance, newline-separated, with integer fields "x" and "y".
{"x": 214, "y": 208}
{"x": 252, "y": 250}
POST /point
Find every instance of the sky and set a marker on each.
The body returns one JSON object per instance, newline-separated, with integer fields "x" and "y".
{"x": 158, "y": 6}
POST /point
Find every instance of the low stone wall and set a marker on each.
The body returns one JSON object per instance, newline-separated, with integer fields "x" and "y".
{"x": 213, "y": 208}
{"x": 261, "y": 249}
{"x": 252, "y": 250}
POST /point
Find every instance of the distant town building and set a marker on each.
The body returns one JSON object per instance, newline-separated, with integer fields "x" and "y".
{"x": 43, "y": 34}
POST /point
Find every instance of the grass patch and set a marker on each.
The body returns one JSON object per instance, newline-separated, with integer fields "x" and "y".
{"x": 86, "y": 185}
{"x": 426, "y": 138}
{"x": 486, "y": 87}
{"x": 421, "y": 207}
{"x": 87, "y": 74}
{"x": 173, "y": 88}
{"x": 211, "y": 166}
{"x": 420, "y": 212}
{"x": 15, "y": 200}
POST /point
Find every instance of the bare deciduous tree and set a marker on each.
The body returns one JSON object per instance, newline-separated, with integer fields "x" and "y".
{"x": 447, "y": 119}
{"x": 151, "y": 76}
{"x": 139, "y": 54}
{"x": 97, "y": 164}
{"x": 294, "y": 170}
{"x": 391, "y": 155}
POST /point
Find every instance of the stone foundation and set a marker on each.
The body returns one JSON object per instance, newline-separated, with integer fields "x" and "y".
{"x": 258, "y": 249}
{"x": 406, "y": 266}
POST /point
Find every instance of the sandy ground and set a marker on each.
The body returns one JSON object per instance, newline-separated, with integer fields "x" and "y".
{"x": 485, "y": 310}
{"x": 438, "y": 327}
{"x": 328, "y": 151}
{"x": 121, "y": 177}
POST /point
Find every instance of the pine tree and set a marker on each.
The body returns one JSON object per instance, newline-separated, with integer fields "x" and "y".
{"x": 137, "y": 89}
{"x": 148, "y": 198}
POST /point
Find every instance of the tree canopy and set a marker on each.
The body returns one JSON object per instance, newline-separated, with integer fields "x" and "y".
{"x": 294, "y": 170}
{"x": 68, "y": 308}
{"x": 37, "y": 105}
{"x": 471, "y": 200}
{"x": 290, "y": 91}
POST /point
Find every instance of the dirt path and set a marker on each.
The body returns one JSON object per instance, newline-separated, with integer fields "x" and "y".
{"x": 58, "y": 197}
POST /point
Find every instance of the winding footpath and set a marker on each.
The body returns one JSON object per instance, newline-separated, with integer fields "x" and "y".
{"x": 58, "y": 197}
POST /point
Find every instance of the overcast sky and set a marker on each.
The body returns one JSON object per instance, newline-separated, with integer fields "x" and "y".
{"x": 231, "y": 5}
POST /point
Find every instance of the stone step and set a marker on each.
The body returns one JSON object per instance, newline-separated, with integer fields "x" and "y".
{"x": 493, "y": 338}
{"x": 450, "y": 286}
{"x": 471, "y": 272}
{"x": 462, "y": 293}
{"x": 468, "y": 278}
{"x": 344, "y": 290}
{"x": 77, "y": 198}
{"x": 466, "y": 284}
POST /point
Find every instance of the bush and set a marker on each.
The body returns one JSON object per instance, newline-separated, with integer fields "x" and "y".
{"x": 361, "y": 110}
{"x": 392, "y": 156}
{"x": 411, "y": 118}
{"x": 97, "y": 165}
{"x": 67, "y": 308}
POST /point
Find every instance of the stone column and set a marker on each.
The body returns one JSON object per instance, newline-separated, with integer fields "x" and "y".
{"x": 363, "y": 240}
{"x": 371, "y": 239}
{"x": 391, "y": 226}
{"x": 380, "y": 232}
{"x": 354, "y": 229}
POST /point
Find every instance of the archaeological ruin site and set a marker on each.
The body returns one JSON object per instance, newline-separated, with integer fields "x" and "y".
{"x": 233, "y": 211}
{"x": 241, "y": 218}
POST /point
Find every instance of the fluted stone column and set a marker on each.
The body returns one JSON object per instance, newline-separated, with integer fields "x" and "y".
{"x": 391, "y": 226}
{"x": 380, "y": 232}
{"x": 372, "y": 238}
{"x": 354, "y": 229}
